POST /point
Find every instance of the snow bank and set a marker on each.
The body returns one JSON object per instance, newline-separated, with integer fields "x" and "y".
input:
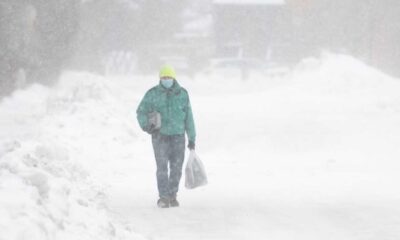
{"x": 50, "y": 142}
{"x": 342, "y": 76}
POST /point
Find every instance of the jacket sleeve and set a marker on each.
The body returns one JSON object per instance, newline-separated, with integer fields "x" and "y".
{"x": 189, "y": 123}
{"x": 143, "y": 110}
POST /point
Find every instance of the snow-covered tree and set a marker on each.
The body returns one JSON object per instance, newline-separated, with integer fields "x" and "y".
{"x": 35, "y": 38}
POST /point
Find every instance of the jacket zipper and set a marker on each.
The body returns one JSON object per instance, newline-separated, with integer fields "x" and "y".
{"x": 169, "y": 110}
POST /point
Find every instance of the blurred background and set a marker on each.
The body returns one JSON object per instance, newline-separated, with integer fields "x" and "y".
{"x": 41, "y": 38}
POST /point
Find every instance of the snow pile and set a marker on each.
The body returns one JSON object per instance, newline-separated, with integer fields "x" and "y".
{"x": 48, "y": 183}
{"x": 344, "y": 77}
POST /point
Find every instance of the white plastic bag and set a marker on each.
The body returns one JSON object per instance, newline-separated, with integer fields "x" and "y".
{"x": 195, "y": 174}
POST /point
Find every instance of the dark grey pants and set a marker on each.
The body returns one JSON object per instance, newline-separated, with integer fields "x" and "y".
{"x": 169, "y": 152}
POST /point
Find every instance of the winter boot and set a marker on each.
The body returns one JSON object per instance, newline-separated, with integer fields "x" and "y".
{"x": 173, "y": 202}
{"x": 163, "y": 203}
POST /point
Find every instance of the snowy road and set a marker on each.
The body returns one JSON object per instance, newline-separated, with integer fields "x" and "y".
{"x": 294, "y": 160}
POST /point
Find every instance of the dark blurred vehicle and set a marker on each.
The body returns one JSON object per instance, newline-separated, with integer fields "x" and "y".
{"x": 234, "y": 68}
{"x": 242, "y": 68}
{"x": 180, "y": 63}
{"x": 35, "y": 40}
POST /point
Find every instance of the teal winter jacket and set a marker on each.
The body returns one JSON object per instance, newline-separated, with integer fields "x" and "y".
{"x": 173, "y": 104}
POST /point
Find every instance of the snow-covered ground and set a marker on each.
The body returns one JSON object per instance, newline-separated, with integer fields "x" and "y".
{"x": 312, "y": 155}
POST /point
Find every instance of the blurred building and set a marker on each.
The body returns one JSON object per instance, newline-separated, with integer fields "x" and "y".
{"x": 248, "y": 29}
{"x": 367, "y": 29}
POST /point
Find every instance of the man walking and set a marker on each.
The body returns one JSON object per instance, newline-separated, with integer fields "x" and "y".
{"x": 166, "y": 114}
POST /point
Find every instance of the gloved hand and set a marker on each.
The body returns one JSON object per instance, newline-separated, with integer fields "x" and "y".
{"x": 191, "y": 145}
{"x": 154, "y": 122}
{"x": 150, "y": 129}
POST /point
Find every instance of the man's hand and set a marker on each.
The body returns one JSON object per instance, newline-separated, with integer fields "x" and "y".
{"x": 191, "y": 145}
{"x": 150, "y": 129}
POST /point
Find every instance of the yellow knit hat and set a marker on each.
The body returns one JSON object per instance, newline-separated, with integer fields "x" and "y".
{"x": 167, "y": 71}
